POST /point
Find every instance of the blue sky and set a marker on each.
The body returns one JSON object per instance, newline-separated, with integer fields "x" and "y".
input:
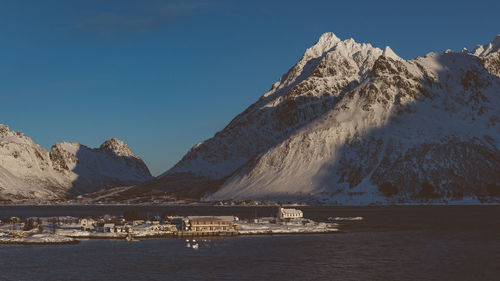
{"x": 164, "y": 75}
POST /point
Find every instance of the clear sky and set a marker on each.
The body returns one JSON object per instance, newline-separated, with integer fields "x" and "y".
{"x": 164, "y": 75}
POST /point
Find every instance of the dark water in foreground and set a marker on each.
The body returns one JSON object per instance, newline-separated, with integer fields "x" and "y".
{"x": 392, "y": 243}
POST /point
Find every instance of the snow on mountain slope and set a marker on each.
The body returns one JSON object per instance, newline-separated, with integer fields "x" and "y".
{"x": 24, "y": 167}
{"x": 112, "y": 164}
{"x": 29, "y": 171}
{"x": 442, "y": 141}
{"x": 349, "y": 122}
{"x": 268, "y": 121}
{"x": 490, "y": 55}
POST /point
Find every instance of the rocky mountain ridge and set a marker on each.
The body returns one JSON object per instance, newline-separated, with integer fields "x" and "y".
{"x": 352, "y": 123}
{"x": 28, "y": 171}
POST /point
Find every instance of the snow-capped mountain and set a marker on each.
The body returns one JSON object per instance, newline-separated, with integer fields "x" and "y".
{"x": 28, "y": 171}
{"x": 352, "y": 123}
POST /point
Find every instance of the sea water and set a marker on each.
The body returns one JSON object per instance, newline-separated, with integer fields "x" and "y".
{"x": 390, "y": 243}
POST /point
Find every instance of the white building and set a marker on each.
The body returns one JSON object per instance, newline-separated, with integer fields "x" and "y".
{"x": 87, "y": 224}
{"x": 289, "y": 213}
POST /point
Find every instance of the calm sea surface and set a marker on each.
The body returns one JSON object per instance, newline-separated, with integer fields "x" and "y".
{"x": 392, "y": 243}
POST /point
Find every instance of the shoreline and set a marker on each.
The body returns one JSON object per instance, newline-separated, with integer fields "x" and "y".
{"x": 78, "y": 239}
{"x": 25, "y": 243}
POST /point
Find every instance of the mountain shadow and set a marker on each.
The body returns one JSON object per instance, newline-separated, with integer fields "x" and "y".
{"x": 431, "y": 142}
{"x": 111, "y": 165}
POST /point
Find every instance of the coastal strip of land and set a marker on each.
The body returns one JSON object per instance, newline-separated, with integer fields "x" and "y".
{"x": 69, "y": 230}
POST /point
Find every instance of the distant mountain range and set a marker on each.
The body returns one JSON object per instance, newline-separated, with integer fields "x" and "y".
{"x": 352, "y": 123}
{"x": 28, "y": 171}
{"x": 348, "y": 124}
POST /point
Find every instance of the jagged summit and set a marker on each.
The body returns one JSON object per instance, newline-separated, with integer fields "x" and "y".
{"x": 325, "y": 42}
{"x": 327, "y": 52}
{"x": 8, "y": 136}
{"x": 118, "y": 147}
{"x": 489, "y": 54}
{"x": 4, "y": 129}
{"x": 328, "y": 37}
{"x": 329, "y": 42}
{"x": 484, "y": 50}
{"x": 388, "y": 52}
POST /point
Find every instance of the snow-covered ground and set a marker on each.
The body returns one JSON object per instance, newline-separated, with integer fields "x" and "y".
{"x": 345, "y": 218}
{"x": 39, "y": 238}
{"x": 139, "y": 231}
{"x": 294, "y": 226}
{"x": 13, "y": 234}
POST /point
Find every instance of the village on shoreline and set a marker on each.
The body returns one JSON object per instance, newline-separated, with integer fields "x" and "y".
{"x": 131, "y": 227}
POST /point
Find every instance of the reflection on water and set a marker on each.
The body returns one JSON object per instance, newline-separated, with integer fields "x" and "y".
{"x": 391, "y": 243}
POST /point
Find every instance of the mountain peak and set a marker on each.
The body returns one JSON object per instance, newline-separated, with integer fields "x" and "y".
{"x": 325, "y": 42}
{"x": 484, "y": 50}
{"x": 8, "y": 136}
{"x": 345, "y": 122}
{"x": 496, "y": 42}
{"x": 4, "y": 129}
{"x": 388, "y": 52}
{"x": 28, "y": 171}
{"x": 328, "y": 36}
{"x": 118, "y": 147}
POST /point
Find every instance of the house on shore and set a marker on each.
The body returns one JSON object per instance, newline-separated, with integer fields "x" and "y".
{"x": 289, "y": 213}
{"x": 112, "y": 228}
{"x": 87, "y": 224}
{"x": 209, "y": 224}
{"x": 105, "y": 227}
